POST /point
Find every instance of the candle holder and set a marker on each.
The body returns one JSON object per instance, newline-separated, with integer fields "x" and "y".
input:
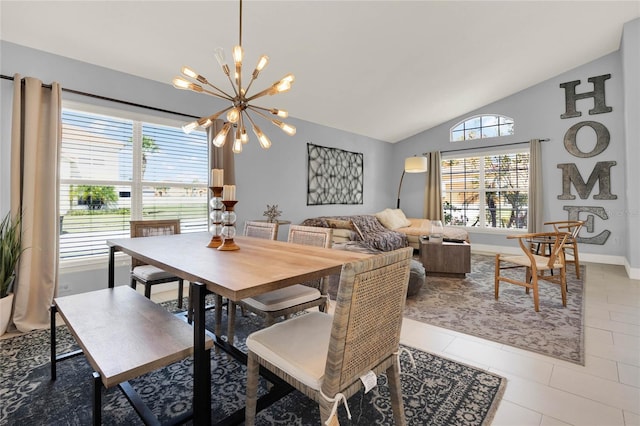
{"x": 229, "y": 226}
{"x": 216, "y": 216}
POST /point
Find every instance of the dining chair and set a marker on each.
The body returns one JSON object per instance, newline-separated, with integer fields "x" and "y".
{"x": 324, "y": 356}
{"x": 147, "y": 274}
{"x": 266, "y": 230}
{"x": 535, "y": 265}
{"x": 572, "y": 227}
{"x": 289, "y": 300}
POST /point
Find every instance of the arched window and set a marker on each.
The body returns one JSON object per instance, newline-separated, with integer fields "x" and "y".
{"x": 481, "y": 127}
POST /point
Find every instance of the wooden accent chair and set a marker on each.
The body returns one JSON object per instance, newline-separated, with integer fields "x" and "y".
{"x": 292, "y": 299}
{"x": 535, "y": 265}
{"x": 572, "y": 227}
{"x": 147, "y": 274}
{"x": 324, "y": 355}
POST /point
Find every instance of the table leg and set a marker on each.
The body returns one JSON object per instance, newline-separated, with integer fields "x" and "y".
{"x": 112, "y": 266}
{"x": 201, "y": 360}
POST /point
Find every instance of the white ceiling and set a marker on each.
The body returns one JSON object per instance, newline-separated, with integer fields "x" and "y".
{"x": 384, "y": 69}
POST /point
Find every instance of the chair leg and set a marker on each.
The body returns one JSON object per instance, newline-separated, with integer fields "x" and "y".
{"x": 147, "y": 291}
{"x": 576, "y": 260}
{"x": 497, "y": 276}
{"x": 563, "y": 285}
{"x": 133, "y": 283}
{"x": 395, "y": 388}
{"x": 180, "y": 292}
{"x": 218, "y": 329}
{"x": 231, "y": 321}
{"x": 269, "y": 321}
{"x": 325, "y": 410}
{"x": 536, "y": 297}
{"x": 252, "y": 389}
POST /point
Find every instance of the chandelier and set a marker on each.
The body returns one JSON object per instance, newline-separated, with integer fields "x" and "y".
{"x": 241, "y": 103}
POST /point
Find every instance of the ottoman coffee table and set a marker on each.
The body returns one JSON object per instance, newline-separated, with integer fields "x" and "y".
{"x": 446, "y": 259}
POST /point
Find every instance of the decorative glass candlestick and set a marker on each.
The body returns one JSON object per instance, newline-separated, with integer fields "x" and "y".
{"x": 216, "y": 216}
{"x": 229, "y": 226}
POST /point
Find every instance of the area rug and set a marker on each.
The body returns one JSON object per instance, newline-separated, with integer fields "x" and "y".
{"x": 468, "y": 306}
{"x": 436, "y": 392}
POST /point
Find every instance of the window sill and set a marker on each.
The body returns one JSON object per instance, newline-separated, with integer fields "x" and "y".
{"x": 90, "y": 263}
{"x": 492, "y": 231}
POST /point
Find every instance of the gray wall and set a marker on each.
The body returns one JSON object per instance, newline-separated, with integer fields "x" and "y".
{"x": 536, "y": 112}
{"x": 630, "y": 51}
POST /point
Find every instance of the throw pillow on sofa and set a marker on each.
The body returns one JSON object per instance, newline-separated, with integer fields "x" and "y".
{"x": 393, "y": 219}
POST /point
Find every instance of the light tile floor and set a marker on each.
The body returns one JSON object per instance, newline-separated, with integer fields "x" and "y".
{"x": 545, "y": 391}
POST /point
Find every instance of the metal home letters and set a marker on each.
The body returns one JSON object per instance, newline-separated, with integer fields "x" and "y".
{"x": 601, "y": 172}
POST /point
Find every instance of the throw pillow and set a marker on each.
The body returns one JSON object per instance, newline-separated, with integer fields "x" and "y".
{"x": 392, "y": 219}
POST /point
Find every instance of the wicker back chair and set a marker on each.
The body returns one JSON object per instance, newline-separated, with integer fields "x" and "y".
{"x": 147, "y": 274}
{"x": 363, "y": 335}
{"x": 289, "y": 300}
{"x": 313, "y": 236}
{"x": 535, "y": 265}
{"x": 266, "y": 230}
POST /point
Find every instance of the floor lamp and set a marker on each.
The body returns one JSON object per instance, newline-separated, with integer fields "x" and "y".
{"x": 412, "y": 165}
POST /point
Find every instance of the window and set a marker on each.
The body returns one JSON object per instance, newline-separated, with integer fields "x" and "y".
{"x": 486, "y": 191}
{"x": 115, "y": 169}
{"x": 481, "y": 127}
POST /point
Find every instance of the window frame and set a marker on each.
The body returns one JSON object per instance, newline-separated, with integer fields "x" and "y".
{"x": 139, "y": 119}
{"x": 482, "y": 190}
{"x": 480, "y": 117}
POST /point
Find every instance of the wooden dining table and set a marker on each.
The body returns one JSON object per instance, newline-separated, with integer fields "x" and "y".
{"x": 257, "y": 267}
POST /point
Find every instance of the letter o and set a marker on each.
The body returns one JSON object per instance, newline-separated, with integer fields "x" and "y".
{"x": 602, "y": 139}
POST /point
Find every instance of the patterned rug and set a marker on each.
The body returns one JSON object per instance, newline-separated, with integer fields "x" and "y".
{"x": 436, "y": 392}
{"x": 468, "y": 306}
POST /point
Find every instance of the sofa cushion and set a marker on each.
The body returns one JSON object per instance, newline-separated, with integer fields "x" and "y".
{"x": 345, "y": 224}
{"x": 393, "y": 219}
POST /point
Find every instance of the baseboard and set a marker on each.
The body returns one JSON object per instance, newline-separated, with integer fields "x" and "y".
{"x": 584, "y": 257}
{"x": 633, "y": 273}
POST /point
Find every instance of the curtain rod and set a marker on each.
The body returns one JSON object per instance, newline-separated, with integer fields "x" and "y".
{"x": 487, "y": 146}
{"x": 104, "y": 98}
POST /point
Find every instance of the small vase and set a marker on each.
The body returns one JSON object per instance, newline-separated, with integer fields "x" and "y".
{"x": 5, "y": 312}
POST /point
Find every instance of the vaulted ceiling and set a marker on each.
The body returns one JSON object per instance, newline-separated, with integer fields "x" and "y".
{"x": 384, "y": 69}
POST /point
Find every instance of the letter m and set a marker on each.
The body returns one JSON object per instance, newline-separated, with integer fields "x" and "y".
{"x": 601, "y": 173}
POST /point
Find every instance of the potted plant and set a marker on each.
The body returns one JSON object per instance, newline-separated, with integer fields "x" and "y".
{"x": 10, "y": 251}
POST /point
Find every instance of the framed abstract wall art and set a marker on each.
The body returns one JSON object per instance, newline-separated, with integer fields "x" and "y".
{"x": 334, "y": 176}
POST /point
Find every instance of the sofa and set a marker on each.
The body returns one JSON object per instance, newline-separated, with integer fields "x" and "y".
{"x": 387, "y": 230}
{"x": 363, "y": 228}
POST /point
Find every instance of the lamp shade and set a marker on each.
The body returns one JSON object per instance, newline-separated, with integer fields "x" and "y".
{"x": 416, "y": 164}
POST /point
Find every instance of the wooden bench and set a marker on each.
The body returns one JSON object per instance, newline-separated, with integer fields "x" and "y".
{"x": 123, "y": 335}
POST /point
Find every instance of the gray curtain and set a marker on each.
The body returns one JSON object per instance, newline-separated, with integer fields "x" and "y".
{"x": 536, "y": 220}
{"x": 36, "y": 136}
{"x": 223, "y": 157}
{"x": 433, "y": 188}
